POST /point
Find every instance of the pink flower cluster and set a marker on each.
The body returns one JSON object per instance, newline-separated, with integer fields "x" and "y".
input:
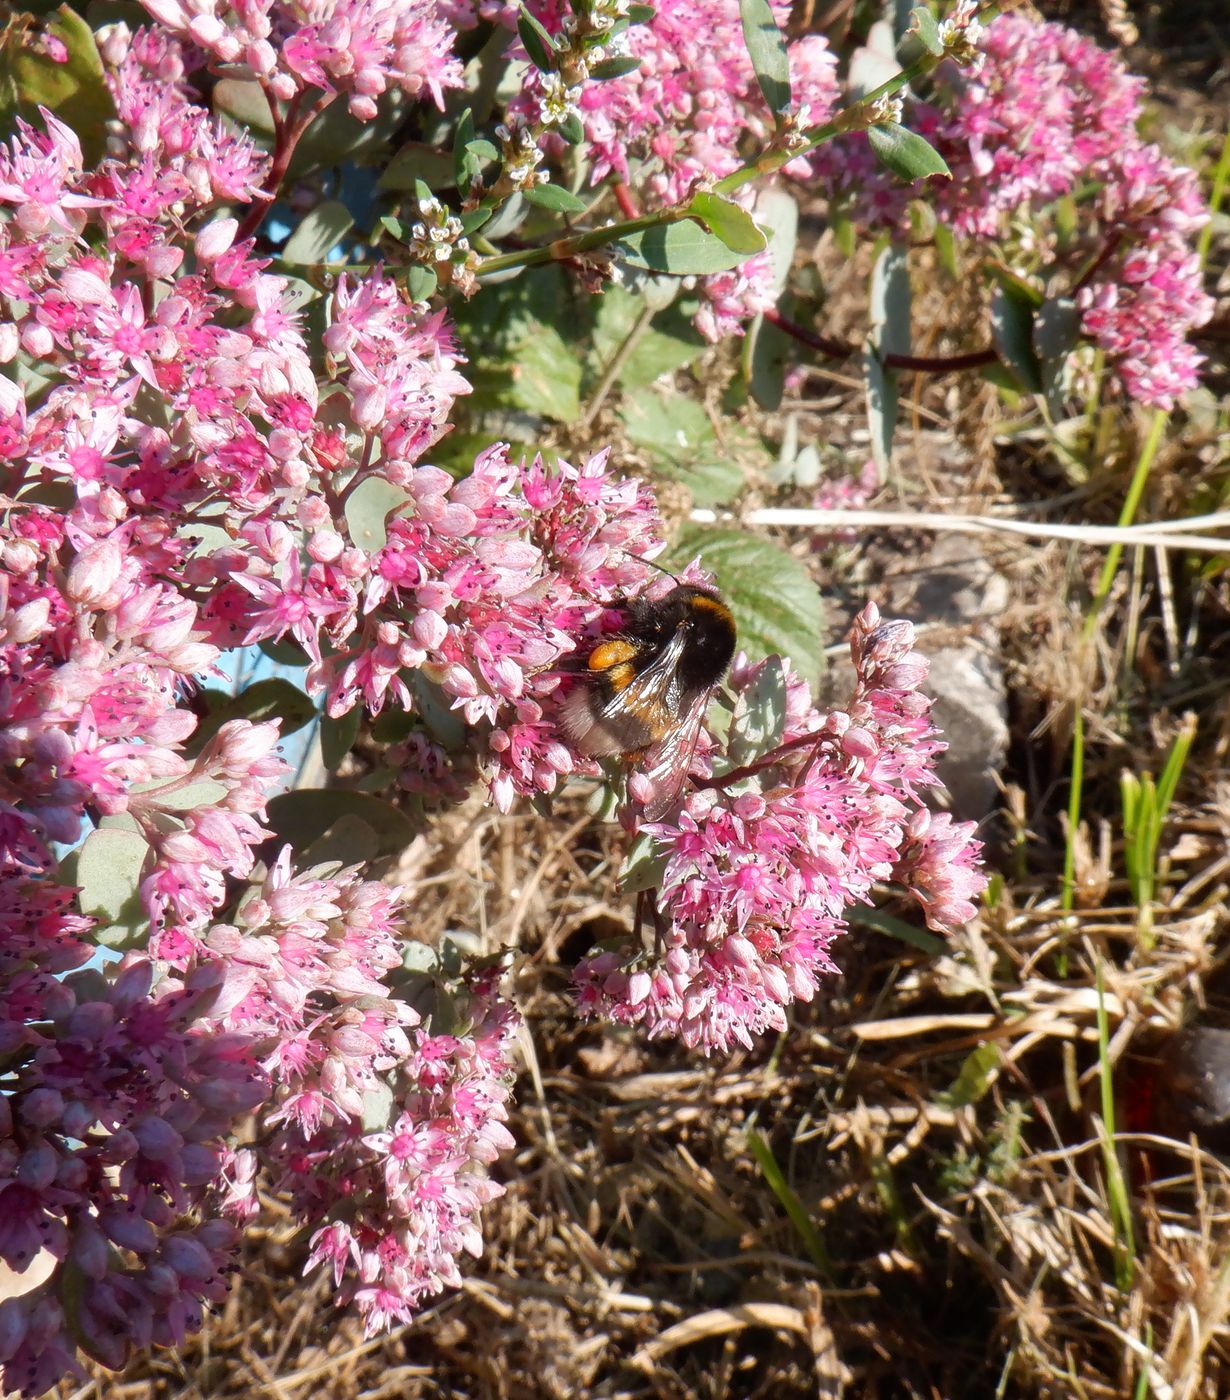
{"x": 305, "y": 976}
{"x": 404, "y": 1197}
{"x": 1044, "y": 110}
{"x": 486, "y": 587}
{"x": 760, "y": 861}
{"x": 680, "y": 120}
{"x": 113, "y": 1107}
{"x": 1041, "y": 112}
{"x": 202, "y": 460}
{"x": 361, "y": 48}
{"x": 686, "y": 109}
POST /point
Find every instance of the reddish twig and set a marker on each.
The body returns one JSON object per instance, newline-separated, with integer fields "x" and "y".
{"x": 842, "y": 350}
{"x": 624, "y": 198}
{"x": 288, "y": 131}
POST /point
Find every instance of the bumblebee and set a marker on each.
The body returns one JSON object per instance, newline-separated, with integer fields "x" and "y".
{"x": 645, "y": 690}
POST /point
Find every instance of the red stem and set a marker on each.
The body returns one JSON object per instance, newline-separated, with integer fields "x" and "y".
{"x": 841, "y": 350}
{"x": 625, "y": 200}
{"x": 749, "y": 770}
{"x": 288, "y": 131}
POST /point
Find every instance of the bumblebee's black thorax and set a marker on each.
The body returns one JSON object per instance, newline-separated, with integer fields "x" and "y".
{"x": 707, "y": 625}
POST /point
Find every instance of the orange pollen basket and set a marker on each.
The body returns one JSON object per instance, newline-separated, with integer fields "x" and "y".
{"x": 609, "y": 655}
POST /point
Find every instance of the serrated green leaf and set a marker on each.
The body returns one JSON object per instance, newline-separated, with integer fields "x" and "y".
{"x": 614, "y": 68}
{"x": 683, "y": 249}
{"x": 303, "y": 816}
{"x": 679, "y": 437}
{"x": 319, "y": 232}
{"x": 537, "y": 42}
{"x": 1012, "y": 328}
{"x": 766, "y": 47}
{"x": 338, "y": 735}
{"x": 670, "y": 342}
{"x": 547, "y": 376}
{"x": 776, "y": 604}
{"x": 368, "y": 508}
{"x": 905, "y": 153}
{"x": 759, "y": 719}
{"x": 923, "y": 23}
{"x": 728, "y": 221}
{"x": 559, "y": 200}
{"x": 109, "y": 868}
{"x": 273, "y": 698}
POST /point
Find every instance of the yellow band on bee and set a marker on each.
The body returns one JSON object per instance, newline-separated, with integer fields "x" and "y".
{"x": 607, "y": 655}
{"x": 707, "y": 601}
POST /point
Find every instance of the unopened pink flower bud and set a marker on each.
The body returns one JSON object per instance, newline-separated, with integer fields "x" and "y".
{"x": 36, "y": 340}
{"x": 94, "y": 573}
{"x": 28, "y": 622}
{"x": 215, "y": 239}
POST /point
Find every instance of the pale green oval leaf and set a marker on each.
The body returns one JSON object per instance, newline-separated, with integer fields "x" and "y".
{"x": 559, "y": 200}
{"x": 304, "y": 815}
{"x": 270, "y": 699}
{"x": 109, "y": 867}
{"x": 319, "y": 233}
{"x": 174, "y": 796}
{"x": 683, "y": 249}
{"x": 759, "y": 720}
{"x": 368, "y": 508}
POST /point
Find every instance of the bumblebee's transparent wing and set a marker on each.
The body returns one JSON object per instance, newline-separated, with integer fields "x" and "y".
{"x": 666, "y": 765}
{"x": 650, "y": 698}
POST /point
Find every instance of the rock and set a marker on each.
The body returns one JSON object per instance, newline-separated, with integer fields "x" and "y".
{"x": 954, "y": 596}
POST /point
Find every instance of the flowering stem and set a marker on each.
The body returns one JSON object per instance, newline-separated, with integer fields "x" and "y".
{"x": 852, "y": 118}
{"x": 841, "y": 350}
{"x": 749, "y": 770}
{"x": 288, "y": 131}
{"x": 564, "y": 248}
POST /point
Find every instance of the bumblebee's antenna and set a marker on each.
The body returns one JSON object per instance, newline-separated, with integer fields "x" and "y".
{"x": 641, "y": 560}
